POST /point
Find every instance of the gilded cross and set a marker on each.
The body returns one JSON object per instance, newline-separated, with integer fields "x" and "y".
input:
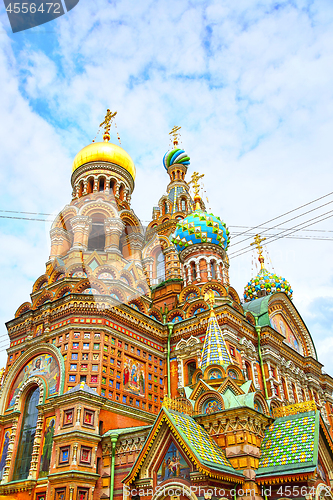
{"x": 257, "y": 242}
{"x": 194, "y": 180}
{"x": 175, "y": 134}
{"x": 107, "y": 120}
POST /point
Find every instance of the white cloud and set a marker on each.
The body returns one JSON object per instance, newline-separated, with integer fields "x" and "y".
{"x": 250, "y": 83}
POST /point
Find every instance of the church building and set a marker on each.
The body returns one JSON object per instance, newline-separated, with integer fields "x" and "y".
{"x": 136, "y": 371}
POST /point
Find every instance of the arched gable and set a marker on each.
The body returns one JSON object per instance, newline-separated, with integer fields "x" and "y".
{"x": 44, "y": 363}
{"x": 281, "y": 307}
{"x": 26, "y": 306}
{"x": 209, "y": 402}
{"x": 98, "y": 207}
{"x": 233, "y": 294}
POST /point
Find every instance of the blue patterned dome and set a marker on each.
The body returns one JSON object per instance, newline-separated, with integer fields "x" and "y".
{"x": 175, "y": 157}
{"x": 268, "y": 283}
{"x": 200, "y": 227}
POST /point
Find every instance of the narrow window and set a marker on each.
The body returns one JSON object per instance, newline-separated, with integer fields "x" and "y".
{"x": 213, "y": 270}
{"x": 191, "y": 367}
{"x": 160, "y": 267}
{"x": 193, "y": 271}
{"x": 101, "y": 184}
{"x": 90, "y": 186}
{"x": 96, "y": 239}
{"x": 27, "y": 437}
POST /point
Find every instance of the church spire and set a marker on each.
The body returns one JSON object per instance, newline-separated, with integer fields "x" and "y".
{"x": 215, "y": 351}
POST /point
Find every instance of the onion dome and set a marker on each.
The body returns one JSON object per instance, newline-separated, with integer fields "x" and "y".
{"x": 105, "y": 151}
{"x": 175, "y": 157}
{"x": 266, "y": 283}
{"x": 200, "y": 227}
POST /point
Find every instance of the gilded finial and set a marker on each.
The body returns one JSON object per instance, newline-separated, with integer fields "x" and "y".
{"x": 257, "y": 241}
{"x": 175, "y": 134}
{"x": 107, "y": 124}
{"x": 194, "y": 180}
{"x": 209, "y": 297}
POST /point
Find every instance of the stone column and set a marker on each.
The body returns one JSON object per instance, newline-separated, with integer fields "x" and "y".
{"x": 209, "y": 274}
{"x": 218, "y": 271}
{"x": 74, "y": 459}
{"x": 148, "y": 265}
{"x": 78, "y": 415}
{"x": 270, "y": 376}
{"x": 81, "y": 226}
{"x": 60, "y": 242}
{"x": 5, "y": 477}
{"x": 198, "y": 271}
{"x": 135, "y": 245}
{"x": 113, "y": 228}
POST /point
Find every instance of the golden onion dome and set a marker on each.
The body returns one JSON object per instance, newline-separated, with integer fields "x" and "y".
{"x": 105, "y": 151}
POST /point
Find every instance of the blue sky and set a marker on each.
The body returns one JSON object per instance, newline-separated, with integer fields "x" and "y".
{"x": 250, "y": 82}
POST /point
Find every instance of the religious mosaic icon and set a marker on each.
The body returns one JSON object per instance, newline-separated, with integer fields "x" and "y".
{"x": 47, "y": 446}
{"x": 43, "y": 366}
{"x": 134, "y": 376}
{"x": 4, "y": 451}
{"x": 173, "y": 465}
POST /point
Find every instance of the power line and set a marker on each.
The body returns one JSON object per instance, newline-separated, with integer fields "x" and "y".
{"x": 314, "y": 238}
{"x": 290, "y": 211}
{"x": 289, "y": 220}
{"x": 248, "y": 248}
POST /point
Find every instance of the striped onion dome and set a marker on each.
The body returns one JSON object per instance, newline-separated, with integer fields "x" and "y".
{"x": 175, "y": 157}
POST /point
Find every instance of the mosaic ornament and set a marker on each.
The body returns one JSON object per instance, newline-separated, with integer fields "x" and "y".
{"x": 266, "y": 282}
{"x": 200, "y": 227}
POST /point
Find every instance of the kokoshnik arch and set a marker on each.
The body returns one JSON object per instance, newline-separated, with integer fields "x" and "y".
{"x": 136, "y": 365}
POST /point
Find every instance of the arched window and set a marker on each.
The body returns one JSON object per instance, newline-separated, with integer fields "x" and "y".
{"x": 121, "y": 192}
{"x": 27, "y": 437}
{"x": 81, "y": 188}
{"x": 166, "y": 208}
{"x": 213, "y": 269}
{"x": 101, "y": 184}
{"x": 191, "y": 367}
{"x": 193, "y": 271}
{"x": 295, "y": 393}
{"x": 248, "y": 370}
{"x": 284, "y": 387}
{"x": 111, "y": 190}
{"x": 183, "y": 204}
{"x": 90, "y": 186}
{"x": 160, "y": 267}
{"x": 96, "y": 239}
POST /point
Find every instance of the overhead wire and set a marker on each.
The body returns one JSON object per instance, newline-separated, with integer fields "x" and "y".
{"x": 290, "y": 211}
{"x": 279, "y": 236}
{"x": 284, "y": 222}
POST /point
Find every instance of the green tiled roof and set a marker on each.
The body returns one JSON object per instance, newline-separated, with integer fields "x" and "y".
{"x": 290, "y": 445}
{"x": 200, "y": 442}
